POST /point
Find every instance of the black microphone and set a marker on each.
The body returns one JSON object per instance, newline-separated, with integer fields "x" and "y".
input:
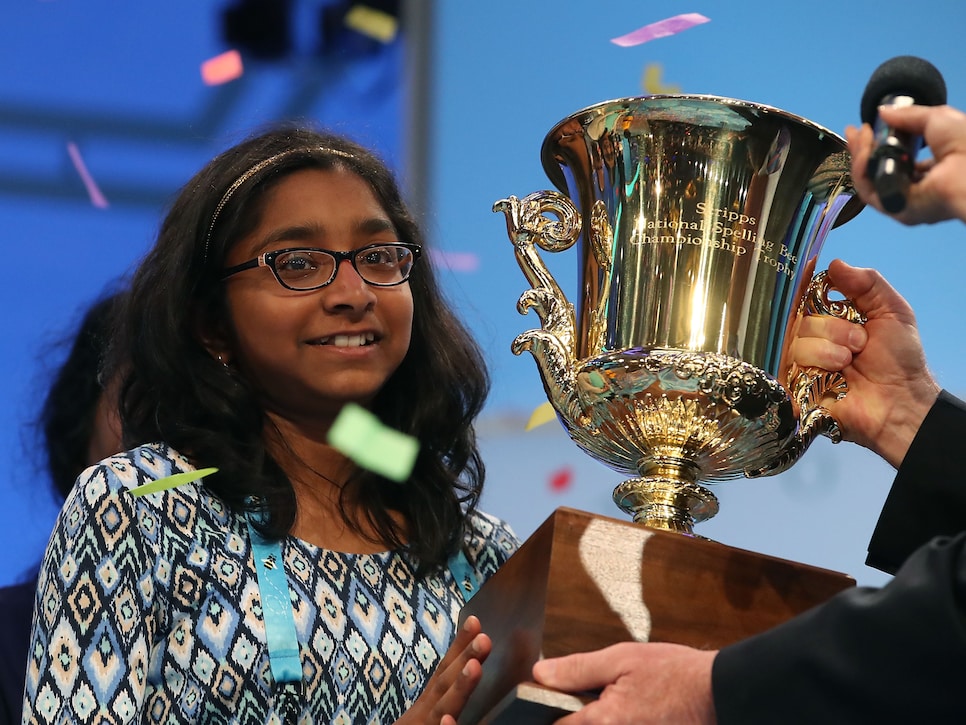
{"x": 901, "y": 81}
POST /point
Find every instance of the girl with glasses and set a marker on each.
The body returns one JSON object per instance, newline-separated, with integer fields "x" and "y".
{"x": 290, "y": 585}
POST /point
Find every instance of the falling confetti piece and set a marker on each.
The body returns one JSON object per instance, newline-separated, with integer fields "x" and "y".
{"x": 222, "y": 68}
{"x": 363, "y": 438}
{"x": 560, "y": 480}
{"x": 97, "y": 198}
{"x": 456, "y": 261}
{"x": 543, "y": 414}
{"x": 660, "y": 29}
{"x": 373, "y": 23}
{"x": 652, "y": 81}
{"x": 178, "y": 479}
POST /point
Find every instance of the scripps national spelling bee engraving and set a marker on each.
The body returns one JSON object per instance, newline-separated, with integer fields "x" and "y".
{"x": 720, "y": 229}
{"x": 699, "y": 221}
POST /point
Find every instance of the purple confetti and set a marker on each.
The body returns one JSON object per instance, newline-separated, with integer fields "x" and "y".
{"x": 97, "y": 198}
{"x": 456, "y": 261}
{"x": 660, "y": 29}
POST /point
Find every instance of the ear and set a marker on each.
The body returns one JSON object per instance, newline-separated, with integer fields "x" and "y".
{"x": 214, "y": 337}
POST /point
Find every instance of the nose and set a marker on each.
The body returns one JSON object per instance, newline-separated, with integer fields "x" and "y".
{"x": 348, "y": 290}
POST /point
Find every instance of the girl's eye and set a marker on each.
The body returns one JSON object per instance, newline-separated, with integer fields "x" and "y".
{"x": 375, "y": 257}
{"x": 300, "y": 263}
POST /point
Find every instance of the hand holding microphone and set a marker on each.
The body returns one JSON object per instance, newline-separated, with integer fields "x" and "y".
{"x": 902, "y": 109}
{"x": 902, "y": 81}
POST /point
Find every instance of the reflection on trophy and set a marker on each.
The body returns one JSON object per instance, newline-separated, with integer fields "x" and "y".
{"x": 698, "y": 222}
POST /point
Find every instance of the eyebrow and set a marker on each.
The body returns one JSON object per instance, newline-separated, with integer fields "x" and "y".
{"x": 302, "y": 232}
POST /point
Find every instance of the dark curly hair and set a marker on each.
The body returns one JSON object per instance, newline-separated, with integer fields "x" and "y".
{"x": 67, "y": 416}
{"x": 173, "y": 391}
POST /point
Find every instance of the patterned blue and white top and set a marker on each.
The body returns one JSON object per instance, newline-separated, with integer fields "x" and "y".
{"x": 148, "y": 611}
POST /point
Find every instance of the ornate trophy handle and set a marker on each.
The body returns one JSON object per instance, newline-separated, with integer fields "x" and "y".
{"x": 810, "y": 387}
{"x": 528, "y": 227}
{"x": 554, "y": 345}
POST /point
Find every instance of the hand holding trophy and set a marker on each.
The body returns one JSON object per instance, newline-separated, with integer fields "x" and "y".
{"x": 698, "y": 222}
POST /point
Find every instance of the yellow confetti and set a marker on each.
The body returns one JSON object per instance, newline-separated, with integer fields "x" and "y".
{"x": 543, "y": 414}
{"x": 374, "y": 23}
{"x": 652, "y": 81}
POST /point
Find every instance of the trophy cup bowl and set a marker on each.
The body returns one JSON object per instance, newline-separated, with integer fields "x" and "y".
{"x": 698, "y": 221}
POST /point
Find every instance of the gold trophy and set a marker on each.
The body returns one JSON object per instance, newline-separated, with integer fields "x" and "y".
{"x": 698, "y": 222}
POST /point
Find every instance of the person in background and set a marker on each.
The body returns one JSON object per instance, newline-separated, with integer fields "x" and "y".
{"x": 895, "y": 654}
{"x": 290, "y": 584}
{"x": 78, "y": 425}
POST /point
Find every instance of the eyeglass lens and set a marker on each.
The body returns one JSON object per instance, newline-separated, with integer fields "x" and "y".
{"x": 306, "y": 268}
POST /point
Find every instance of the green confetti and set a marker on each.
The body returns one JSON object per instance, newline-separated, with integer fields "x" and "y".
{"x": 171, "y": 481}
{"x": 362, "y": 437}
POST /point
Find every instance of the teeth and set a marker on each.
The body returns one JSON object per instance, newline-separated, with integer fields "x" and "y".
{"x": 349, "y": 340}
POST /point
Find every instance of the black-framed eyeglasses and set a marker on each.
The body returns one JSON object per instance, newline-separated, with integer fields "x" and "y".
{"x": 385, "y": 264}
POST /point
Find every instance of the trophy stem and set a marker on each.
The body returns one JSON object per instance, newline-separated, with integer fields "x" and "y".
{"x": 666, "y": 496}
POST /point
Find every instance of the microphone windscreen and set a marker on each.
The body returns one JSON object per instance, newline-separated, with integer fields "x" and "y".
{"x": 904, "y": 75}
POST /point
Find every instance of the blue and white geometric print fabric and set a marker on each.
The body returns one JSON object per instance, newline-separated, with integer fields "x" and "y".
{"x": 149, "y": 612}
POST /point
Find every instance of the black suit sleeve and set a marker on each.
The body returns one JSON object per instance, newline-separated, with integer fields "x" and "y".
{"x": 928, "y": 497}
{"x": 895, "y": 654}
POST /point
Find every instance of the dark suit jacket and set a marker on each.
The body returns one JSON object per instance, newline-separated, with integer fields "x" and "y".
{"x": 895, "y": 654}
{"x": 16, "y": 611}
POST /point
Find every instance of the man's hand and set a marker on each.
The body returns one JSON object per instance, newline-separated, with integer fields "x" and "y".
{"x": 939, "y": 191}
{"x": 890, "y": 387}
{"x": 640, "y": 683}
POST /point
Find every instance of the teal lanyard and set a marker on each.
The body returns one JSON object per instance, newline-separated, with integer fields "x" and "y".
{"x": 463, "y": 575}
{"x": 280, "y": 634}
{"x": 283, "y": 643}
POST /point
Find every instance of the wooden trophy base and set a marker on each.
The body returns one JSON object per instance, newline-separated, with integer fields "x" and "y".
{"x": 583, "y": 581}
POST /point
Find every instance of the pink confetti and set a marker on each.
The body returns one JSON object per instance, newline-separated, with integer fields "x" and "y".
{"x": 97, "y": 198}
{"x": 456, "y": 261}
{"x": 660, "y": 29}
{"x": 560, "y": 481}
{"x": 222, "y": 68}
